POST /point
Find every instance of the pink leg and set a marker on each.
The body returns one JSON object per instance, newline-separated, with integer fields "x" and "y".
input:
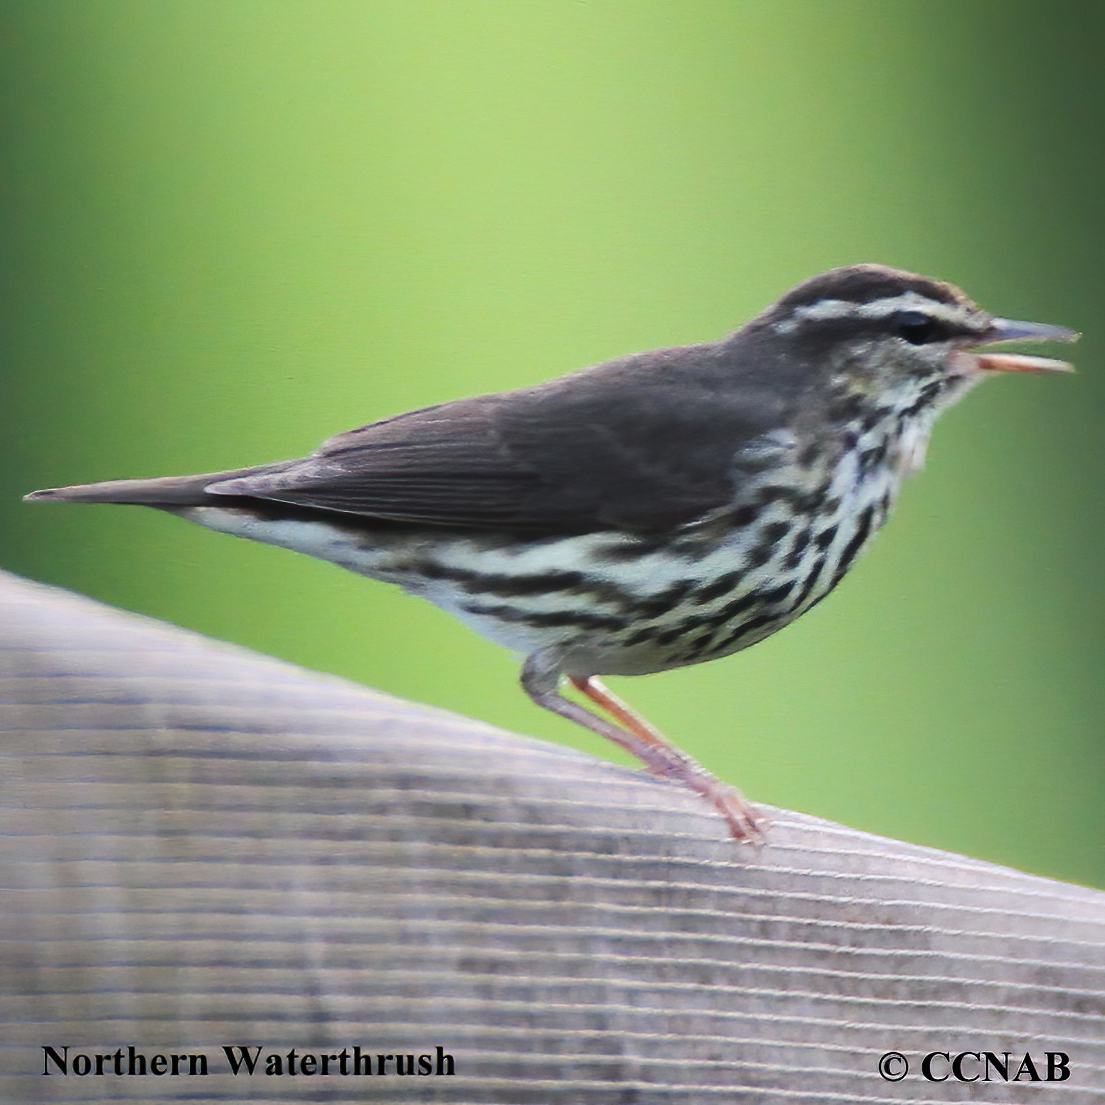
{"x": 641, "y": 739}
{"x": 662, "y": 758}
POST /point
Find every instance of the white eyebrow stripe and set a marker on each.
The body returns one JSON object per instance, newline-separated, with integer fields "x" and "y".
{"x": 877, "y": 308}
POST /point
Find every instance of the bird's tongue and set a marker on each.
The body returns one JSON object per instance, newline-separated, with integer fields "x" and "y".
{"x": 1016, "y": 362}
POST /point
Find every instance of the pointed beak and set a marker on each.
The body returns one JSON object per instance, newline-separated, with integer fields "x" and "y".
{"x": 1005, "y": 329}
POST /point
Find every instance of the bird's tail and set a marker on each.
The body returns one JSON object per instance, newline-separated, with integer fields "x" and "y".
{"x": 169, "y": 491}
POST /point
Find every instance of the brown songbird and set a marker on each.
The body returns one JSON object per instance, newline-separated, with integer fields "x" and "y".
{"x": 658, "y": 510}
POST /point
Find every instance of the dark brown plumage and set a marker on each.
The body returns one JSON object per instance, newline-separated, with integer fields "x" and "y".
{"x": 658, "y": 510}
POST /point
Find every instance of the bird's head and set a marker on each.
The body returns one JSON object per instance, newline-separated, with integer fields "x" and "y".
{"x": 900, "y": 342}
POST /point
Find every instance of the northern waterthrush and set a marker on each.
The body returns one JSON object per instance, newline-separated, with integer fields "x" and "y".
{"x": 658, "y": 510}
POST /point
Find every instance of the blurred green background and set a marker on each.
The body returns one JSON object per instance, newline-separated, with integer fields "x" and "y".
{"x": 232, "y": 229}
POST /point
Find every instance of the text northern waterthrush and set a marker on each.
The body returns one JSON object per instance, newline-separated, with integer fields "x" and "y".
{"x": 655, "y": 511}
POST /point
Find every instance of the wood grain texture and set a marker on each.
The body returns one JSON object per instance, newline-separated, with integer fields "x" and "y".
{"x": 202, "y": 846}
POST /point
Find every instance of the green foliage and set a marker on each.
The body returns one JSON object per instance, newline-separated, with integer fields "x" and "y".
{"x": 236, "y": 228}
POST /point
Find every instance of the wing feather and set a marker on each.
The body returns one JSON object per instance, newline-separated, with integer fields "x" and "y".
{"x": 571, "y": 455}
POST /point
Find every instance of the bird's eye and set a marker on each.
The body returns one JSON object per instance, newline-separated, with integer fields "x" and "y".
{"x": 916, "y": 327}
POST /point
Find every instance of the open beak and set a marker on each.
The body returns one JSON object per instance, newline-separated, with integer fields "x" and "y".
{"x": 1004, "y": 329}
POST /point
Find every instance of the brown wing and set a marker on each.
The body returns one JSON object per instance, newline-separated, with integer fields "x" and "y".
{"x": 644, "y": 443}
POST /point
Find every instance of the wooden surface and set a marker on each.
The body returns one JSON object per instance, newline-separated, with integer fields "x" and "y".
{"x": 205, "y": 847}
